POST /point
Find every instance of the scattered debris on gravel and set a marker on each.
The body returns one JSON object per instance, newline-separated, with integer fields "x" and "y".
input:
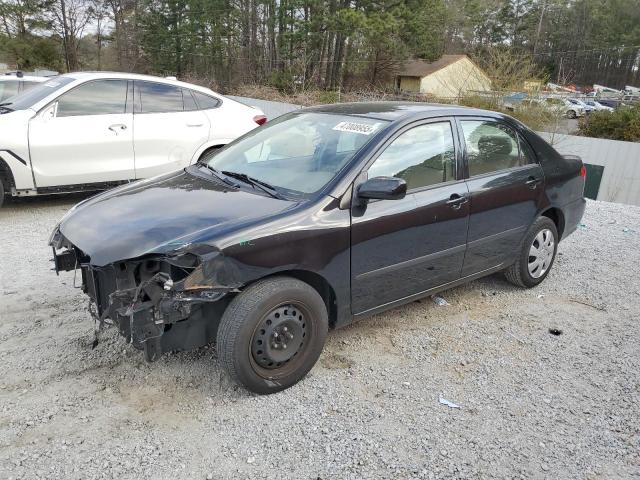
{"x": 381, "y": 403}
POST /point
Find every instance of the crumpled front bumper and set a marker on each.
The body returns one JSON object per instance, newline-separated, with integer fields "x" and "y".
{"x": 159, "y": 303}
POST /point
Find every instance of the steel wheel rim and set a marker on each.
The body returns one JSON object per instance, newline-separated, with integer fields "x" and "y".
{"x": 268, "y": 357}
{"x": 541, "y": 253}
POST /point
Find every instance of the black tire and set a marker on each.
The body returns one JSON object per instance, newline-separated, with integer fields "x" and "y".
{"x": 519, "y": 273}
{"x": 1, "y": 193}
{"x": 247, "y": 342}
{"x": 572, "y": 114}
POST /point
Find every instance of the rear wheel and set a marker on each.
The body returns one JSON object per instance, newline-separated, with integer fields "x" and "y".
{"x": 537, "y": 255}
{"x": 272, "y": 334}
{"x": 572, "y": 114}
{"x": 2, "y": 193}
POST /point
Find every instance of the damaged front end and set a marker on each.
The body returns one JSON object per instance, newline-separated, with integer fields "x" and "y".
{"x": 159, "y": 302}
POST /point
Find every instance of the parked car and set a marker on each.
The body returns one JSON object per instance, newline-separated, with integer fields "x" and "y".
{"x": 610, "y": 102}
{"x": 585, "y": 106}
{"x": 91, "y": 131}
{"x": 320, "y": 217}
{"x": 597, "y": 106}
{"x": 12, "y": 84}
{"x": 557, "y": 106}
{"x": 565, "y": 107}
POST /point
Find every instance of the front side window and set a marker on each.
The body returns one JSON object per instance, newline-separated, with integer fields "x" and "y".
{"x": 422, "y": 156}
{"x": 99, "y": 97}
{"x": 490, "y": 146}
{"x": 299, "y": 153}
{"x": 8, "y": 89}
{"x": 159, "y": 97}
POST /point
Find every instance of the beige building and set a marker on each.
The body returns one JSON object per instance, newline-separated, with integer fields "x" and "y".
{"x": 449, "y": 76}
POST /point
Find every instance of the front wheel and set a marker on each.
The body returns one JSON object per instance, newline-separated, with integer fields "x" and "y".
{"x": 537, "y": 255}
{"x": 272, "y": 334}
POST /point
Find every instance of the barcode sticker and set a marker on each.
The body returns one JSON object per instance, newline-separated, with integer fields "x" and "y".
{"x": 354, "y": 127}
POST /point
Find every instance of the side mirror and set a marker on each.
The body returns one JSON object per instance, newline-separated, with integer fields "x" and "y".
{"x": 383, "y": 188}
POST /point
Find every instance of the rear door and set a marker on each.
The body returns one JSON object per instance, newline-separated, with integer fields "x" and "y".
{"x": 168, "y": 128}
{"x": 85, "y": 136}
{"x": 404, "y": 247}
{"x": 506, "y": 188}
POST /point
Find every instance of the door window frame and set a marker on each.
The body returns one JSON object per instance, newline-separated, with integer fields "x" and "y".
{"x": 519, "y": 138}
{"x": 364, "y": 176}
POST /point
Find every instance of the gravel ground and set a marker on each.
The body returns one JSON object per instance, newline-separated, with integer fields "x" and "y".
{"x": 533, "y": 405}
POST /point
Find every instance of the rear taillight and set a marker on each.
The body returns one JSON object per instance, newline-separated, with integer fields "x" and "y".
{"x": 583, "y": 172}
{"x": 260, "y": 119}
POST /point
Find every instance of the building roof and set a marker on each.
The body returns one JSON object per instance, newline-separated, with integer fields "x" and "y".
{"x": 420, "y": 68}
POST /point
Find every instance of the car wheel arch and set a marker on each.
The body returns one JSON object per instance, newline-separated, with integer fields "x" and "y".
{"x": 317, "y": 282}
{"x": 556, "y": 216}
{"x": 6, "y": 176}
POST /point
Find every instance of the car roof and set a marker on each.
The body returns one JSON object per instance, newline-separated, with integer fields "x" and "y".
{"x": 393, "y": 111}
{"x": 133, "y": 76}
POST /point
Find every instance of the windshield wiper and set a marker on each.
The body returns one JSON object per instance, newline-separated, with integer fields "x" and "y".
{"x": 254, "y": 182}
{"x": 5, "y": 109}
{"x": 217, "y": 174}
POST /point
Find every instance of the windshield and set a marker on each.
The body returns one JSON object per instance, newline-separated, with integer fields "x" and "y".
{"x": 8, "y": 88}
{"x": 299, "y": 153}
{"x": 29, "y": 98}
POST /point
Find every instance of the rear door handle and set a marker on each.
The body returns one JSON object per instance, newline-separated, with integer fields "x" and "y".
{"x": 117, "y": 127}
{"x": 194, "y": 124}
{"x": 456, "y": 201}
{"x": 532, "y": 182}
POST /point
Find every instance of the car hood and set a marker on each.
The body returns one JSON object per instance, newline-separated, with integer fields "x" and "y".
{"x": 162, "y": 214}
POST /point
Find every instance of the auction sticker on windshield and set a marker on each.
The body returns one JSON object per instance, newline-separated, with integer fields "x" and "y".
{"x": 354, "y": 127}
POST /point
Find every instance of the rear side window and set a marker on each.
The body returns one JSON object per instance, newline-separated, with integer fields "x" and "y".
{"x": 422, "y": 156}
{"x": 159, "y": 98}
{"x": 205, "y": 102}
{"x": 490, "y": 147}
{"x": 100, "y": 97}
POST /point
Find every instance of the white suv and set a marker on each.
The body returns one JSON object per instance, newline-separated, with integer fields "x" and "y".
{"x": 91, "y": 131}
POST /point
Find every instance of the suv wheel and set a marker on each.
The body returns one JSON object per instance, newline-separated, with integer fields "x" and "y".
{"x": 272, "y": 334}
{"x": 2, "y": 193}
{"x": 537, "y": 255}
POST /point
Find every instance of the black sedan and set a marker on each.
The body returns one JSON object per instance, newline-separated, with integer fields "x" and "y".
{"x": 316, "y": 219}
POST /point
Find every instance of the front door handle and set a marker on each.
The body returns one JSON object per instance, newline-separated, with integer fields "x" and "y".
{"x": 532, "y": 182}
{"x": 118, "y": 127}
{"x": 456, "y": 201}
{"x": 194, "y": 124}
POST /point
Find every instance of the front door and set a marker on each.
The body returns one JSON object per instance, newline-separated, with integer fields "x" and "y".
{"x": 84, "y": 137}
{"x": 168, "y": 128}
{"x": 506, "y": 188}
{"x": 403, "y": 247}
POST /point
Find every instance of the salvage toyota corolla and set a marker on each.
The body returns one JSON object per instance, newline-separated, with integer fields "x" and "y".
{"x": 318, "y": 218}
